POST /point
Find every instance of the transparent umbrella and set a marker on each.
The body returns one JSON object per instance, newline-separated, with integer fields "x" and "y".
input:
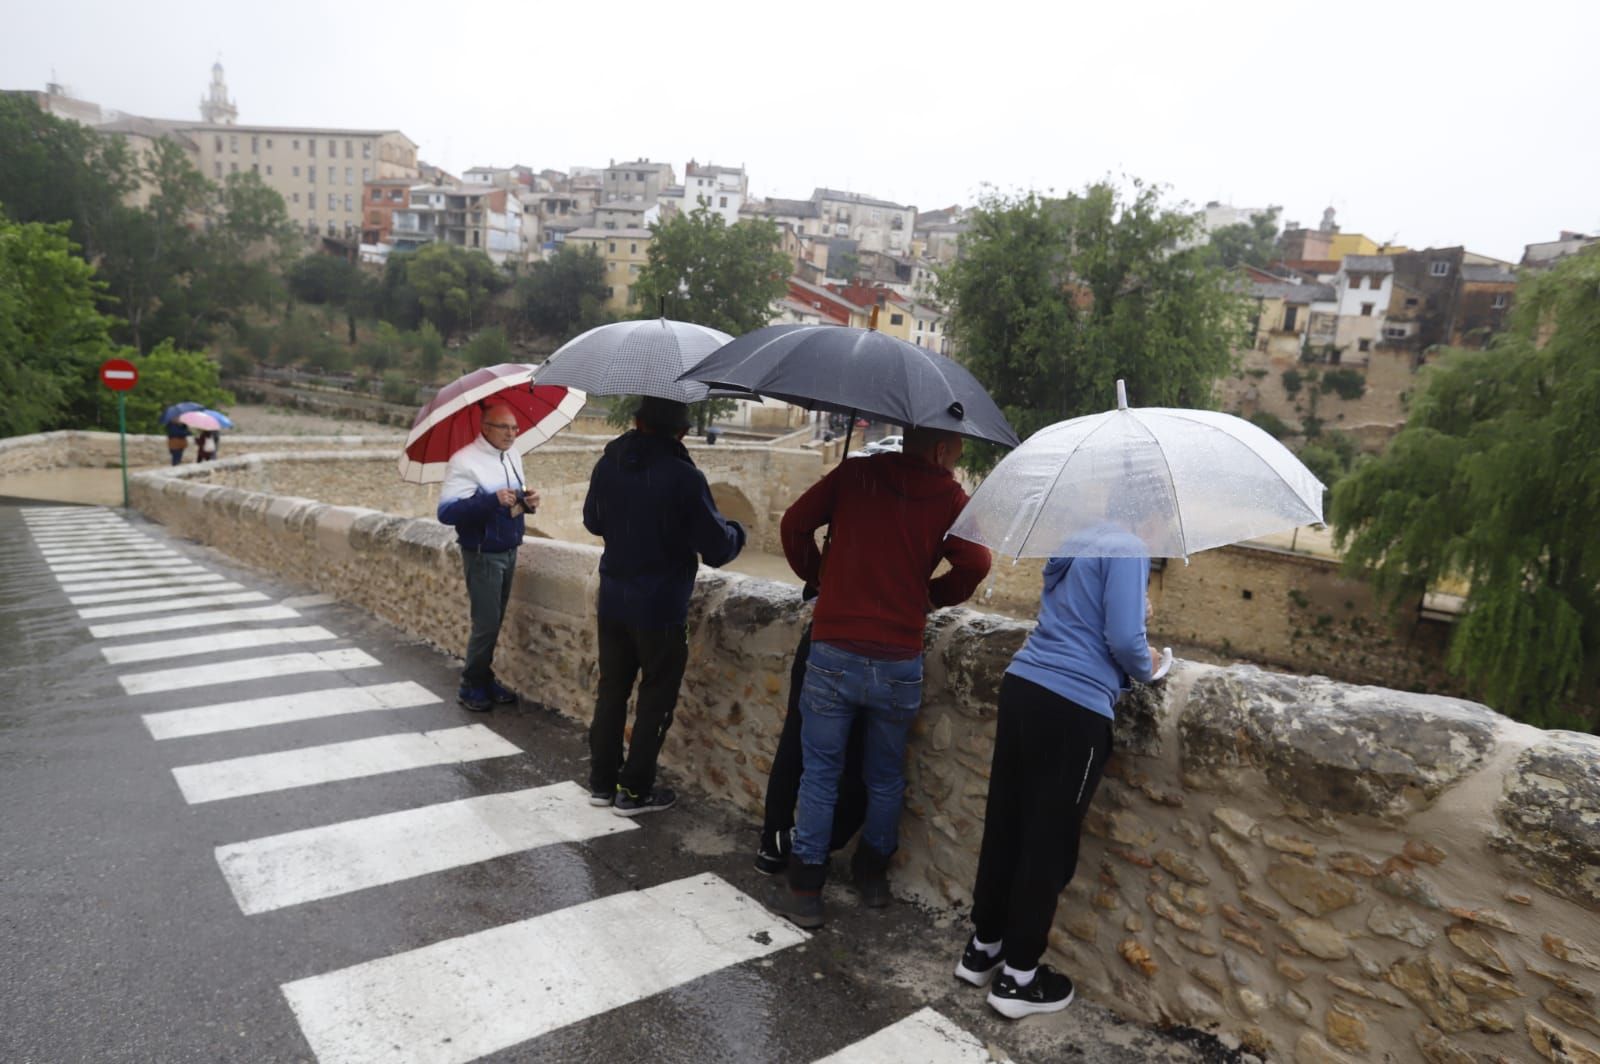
{"x": 1180, "y": 481}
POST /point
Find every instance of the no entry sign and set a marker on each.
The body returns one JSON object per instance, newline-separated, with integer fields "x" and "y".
{"x": 119, "y": 374}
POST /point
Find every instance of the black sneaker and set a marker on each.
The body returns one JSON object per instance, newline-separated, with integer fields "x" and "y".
{"x": 500, "y": 694}
{"x": 629, "y": 804}
{"x": 800, "y": 908}
{"x": 601, "y": 797}
{"x": 976, "y": 966}
{"x": 474, "y": 698}
{"x": 1050, "y": 991}
{"x": 772, "y": 856}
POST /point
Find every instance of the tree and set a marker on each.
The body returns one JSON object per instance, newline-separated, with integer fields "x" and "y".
{"x": 56, "y": 170}
{"x": 1055, "y": 299}
{"x": 1495, "y": 481}
{"x": 51, "y": 335}
{"x": 703, "y": 270}
{"x": 452, "y": 286}
{"x": 563, "y": 296}
{"x": 169, "y": 375}
{"x": 1253, "y": 243}
{"x": 321, "y": 280}
{"x": 488, "y": 348}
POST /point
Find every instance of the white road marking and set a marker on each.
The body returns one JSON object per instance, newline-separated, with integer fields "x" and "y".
{"x": 95, "y": 613}
{"x": 924, "y": 1036}
{"x": 145, "y": 568}
{"x": 49, "y": 543}
{"x": 302, "y": 866}
{"x": 188, "y": 646}
{"x": 191, "y": 620}
{"x": 101, "y": 554}
{"x": 306, "y": 601}
{"x": 282, "y": 709}
{"x": 466, "y": 997}
{"x": 209, "y": 584}
{"x": 262, "y": 773}
{"x": 107, "y": 581}
{"x": 179, "y": 679}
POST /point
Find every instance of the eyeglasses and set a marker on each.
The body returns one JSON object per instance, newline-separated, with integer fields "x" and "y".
{"x": 503, "y": 428}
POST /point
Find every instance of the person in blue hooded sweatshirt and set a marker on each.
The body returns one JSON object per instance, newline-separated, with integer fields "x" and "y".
{"x": 1050, "y": 747}
{"x": 653, "y": 508}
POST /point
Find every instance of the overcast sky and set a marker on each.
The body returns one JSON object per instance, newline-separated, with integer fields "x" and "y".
{"x": 1426, "y": 123}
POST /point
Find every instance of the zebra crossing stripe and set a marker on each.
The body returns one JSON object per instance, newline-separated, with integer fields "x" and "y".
{"x": 191, "y": 620}
{"x": 284, "y": 709}
{"x": 188, "y": 646}
{"x": 466, "y": 997}
{"x": 188, "y": 602}
{"x": 924, "y": 1036}
{"x": 49, "y": 543}
{"x": 358, "y": 758}
{"x": 209, "y": 584}
{"x": 143, "y": 683}
{"x": 324, "y": 862}
{"x": 112, "y": 581}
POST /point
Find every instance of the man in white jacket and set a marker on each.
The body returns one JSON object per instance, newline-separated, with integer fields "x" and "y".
{"x": 484, "y": 496}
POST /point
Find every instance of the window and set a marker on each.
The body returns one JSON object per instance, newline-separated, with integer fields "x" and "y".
{"x": 1411, "y": 301}
{"x": 333, "y": 153}
{"x": 311, "y": 145}
{"x": 1394, "y": 332}
{"x": 333, "y": 227}
{"x": 609, "y": 291}
{"x": 896, "y": 319}
{"x": 1499, "y": 302}
{"x": 311, "y": 226}
{"x": 219, "y": 143}
{"x": 349, "y": 175}
{"x": 269, "y": 169}
{"x": 1366, "y": 310}
{"x": 296, "y": 171}
{"x": 349, "y": 149}
{"x": 333, "y": 202}
{"x": 633, "y": 267}
{"x": 377, "y": 194}
{"x": 366, "y": 174}
{"x": 255, "y": 145}
{"x": 633, "y": 249}
{"x": 218, "y": 167}
{"x": 333, "y": 175}
{"x": 255, "y": 168}
{"x": 269, "y": 143}
{"x": 1355, "y": 281}
{"x": 311, "y": 174}
{"x": 294, "y": 145}
{"x": 1364, "y": 345}
{"x": 366, "y": 149}
{"x": 395, "y": 195}
{"x": 613, "y": 247}
{"x": 919, "y": 325}
{"x": 233, "y": 143}
{"x": 723, "y": 201}
{"x": 296, "y": 198}
{"x": 1439, "y": 269}
{"x": 349, "y": 202}
{"x": 233, "y": 168}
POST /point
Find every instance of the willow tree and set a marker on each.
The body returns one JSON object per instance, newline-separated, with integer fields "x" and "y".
{"x": 1495, "y": 481}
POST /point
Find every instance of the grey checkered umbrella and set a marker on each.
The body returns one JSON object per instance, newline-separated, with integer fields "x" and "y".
{"x": 635, "y": 358}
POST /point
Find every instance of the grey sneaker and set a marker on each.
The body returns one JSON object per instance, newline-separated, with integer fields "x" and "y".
{"x": 602, "y": 798}
{"x": 630, "y": 804}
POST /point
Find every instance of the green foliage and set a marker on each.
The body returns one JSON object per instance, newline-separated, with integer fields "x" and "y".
{"x": 55, "y": 170}
{"x": 398, "y": 388}
{"x": 1055, "y": 299}
{"x": 1495, "y": 480}
{"x": 321, "y": 279}
{"x": 430, "y": 352}
{"x": 1253, "y": 243}
{"x": 1270, "y": 423}
{"x": 1292, "y": 380}
{"x": 441, "y": 283}
{"x": 703, "y": 270}
{"x": 385, "y": 349}
{"x": 488, "y": 348}
{"x": 1330, "y": 456}
{"x": 564, "y": 296}
{"x": 168, "y": 375}
{"x": 52, "y": 338}
{"x": 1349, "y": 383}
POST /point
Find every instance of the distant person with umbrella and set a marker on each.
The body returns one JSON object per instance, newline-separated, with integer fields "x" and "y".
{"x": 654, "y": 510}
{"x": 887, "y": 516}
{"x": 485, "y": 497}
{"x": 177, "y": 431}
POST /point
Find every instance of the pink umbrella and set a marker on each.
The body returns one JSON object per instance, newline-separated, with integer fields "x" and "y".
{"x": 199, "y": 419}
{"x": 454, "y": 417}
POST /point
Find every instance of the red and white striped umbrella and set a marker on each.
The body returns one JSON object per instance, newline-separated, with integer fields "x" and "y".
{"x": 454, "y": 417}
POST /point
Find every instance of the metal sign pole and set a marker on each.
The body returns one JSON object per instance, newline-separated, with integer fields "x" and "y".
{"x": 122, "y": 435}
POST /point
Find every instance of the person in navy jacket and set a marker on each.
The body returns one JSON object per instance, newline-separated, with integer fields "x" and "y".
{"x": 484, "y": 496}
{"x": 654, "y": 510}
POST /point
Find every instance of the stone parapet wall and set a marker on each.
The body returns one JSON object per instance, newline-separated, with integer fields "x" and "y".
{"x": 83, "y": 449}
{"x": 1324, "y": 872}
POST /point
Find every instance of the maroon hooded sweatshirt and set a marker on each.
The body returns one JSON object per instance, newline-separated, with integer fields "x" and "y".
{"x": 889, "y": 514}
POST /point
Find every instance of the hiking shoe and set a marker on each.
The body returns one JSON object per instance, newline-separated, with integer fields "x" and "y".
{"x": 475, "y": 698}
{"x": 629, "y": 804}
{"x": 801, "y": 908}
{"x": 602, "y": 798}
{"x": 870, "y": 870}
{"x": 500, "y": 694}
{"x": 1050, "y": 991}
{"x": 976, "y": 966}
{"x": 772, "y": 856}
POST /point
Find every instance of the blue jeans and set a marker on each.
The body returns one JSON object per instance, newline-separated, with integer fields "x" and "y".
{"x": 839, "y": 686}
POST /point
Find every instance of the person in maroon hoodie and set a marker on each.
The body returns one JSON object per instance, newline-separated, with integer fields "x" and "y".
{"x": 887, "y": 517}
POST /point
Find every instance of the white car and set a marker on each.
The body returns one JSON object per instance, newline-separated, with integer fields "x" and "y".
{"x": 888, "y": 443}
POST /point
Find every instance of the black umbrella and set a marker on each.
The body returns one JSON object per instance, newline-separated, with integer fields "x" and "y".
{"x": 857, "y": 372}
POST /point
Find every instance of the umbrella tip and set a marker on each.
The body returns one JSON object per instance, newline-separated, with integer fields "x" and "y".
{"x": 1122, "y": 394}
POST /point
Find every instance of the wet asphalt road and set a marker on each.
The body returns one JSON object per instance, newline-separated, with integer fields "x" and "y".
{"x": 122, "y": 941}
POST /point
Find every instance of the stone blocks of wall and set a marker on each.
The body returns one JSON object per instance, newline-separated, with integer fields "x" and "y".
{"x": 83, "y": 449}
{"x": 1323, "y": 872}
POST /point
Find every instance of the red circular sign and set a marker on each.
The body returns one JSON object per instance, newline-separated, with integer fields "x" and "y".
{"x": 119, "y": 374}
